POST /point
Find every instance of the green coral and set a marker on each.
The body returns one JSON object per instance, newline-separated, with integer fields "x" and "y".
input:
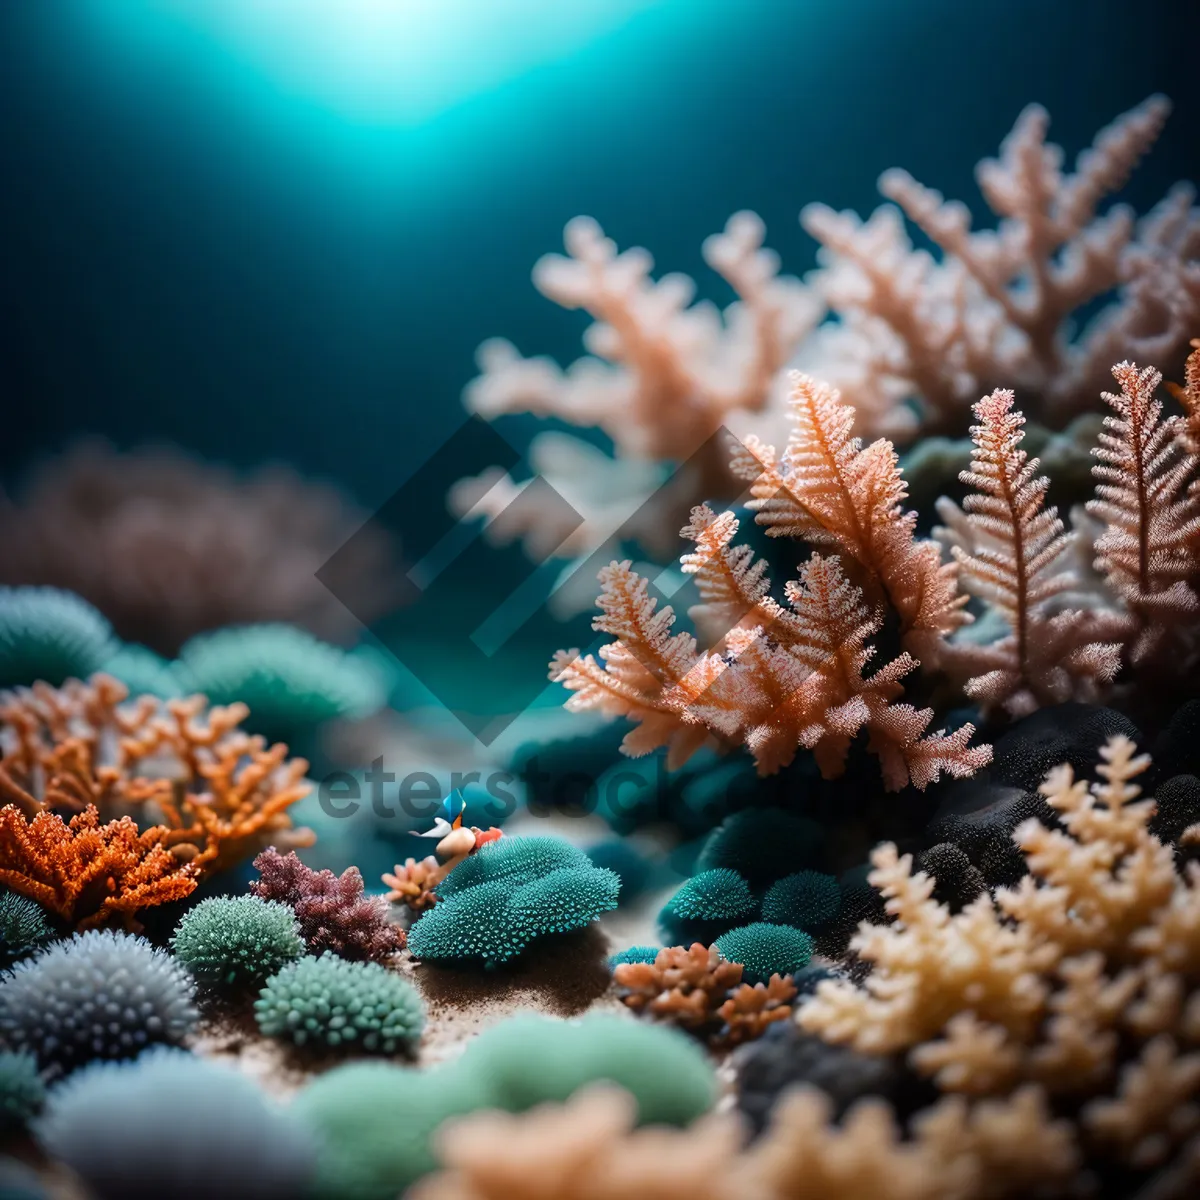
{"x": 142, "y": 671}
{"x": 762, "y": 845}
{"x": 367, "y": 1154}
{"x": 21, "y": 1091}
{"x": 229, "y": 941}
{"x": 634, "y": 954}
{"x": 23, "y": 928}
{"x": 510, "y": 893}
{"x": 340, "y": 1004}
{"x": 765, "y": 950}
{"x": 631, "y": 867}
{"x": 806, "y": 899}
{"x": 707, "y": 905}
{"x": 291, "y": 681}
{"x": 50, "y": 635}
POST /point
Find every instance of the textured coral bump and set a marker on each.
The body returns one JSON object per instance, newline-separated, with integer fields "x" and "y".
{"x": 1015, "y": 562}
{"x": 775, "y": 679}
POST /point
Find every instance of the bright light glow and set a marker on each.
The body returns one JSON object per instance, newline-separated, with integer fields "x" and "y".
{"x": 395, "y": 60}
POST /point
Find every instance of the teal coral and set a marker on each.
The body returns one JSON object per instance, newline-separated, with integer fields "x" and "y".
{"x": 171, "y": 1124}
{"x": 366, "y": 1153}
{"x": 706, "y": 905}
{"x": 762, "y": 845}
{"x": 291, "y": 681}
{"x": 764, "y": 950}
{"x": 23, "y": 928}
{"x": 634, "y": 954}
{"x": 228, "y": 941}
{"x": 21, "y": 1091}
{"x": 508, "y": 894}
{"x": 340, "y": 1004}
{"x": 49, "y": 635}
{"x": 806, "y": 899}
{"x": 143, "y": 672}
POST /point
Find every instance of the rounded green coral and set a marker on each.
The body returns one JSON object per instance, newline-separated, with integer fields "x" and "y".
{"x": 142, "y": 671}
{"x": 228, "y": 941}
{"x": 517, "y": 895}
{"x": 765, "y": 950}
{"x": 634, "y": 954}
{"x": 342, "y": 1004}
{"x": 706, "y": 905}
{"x": 23, "y": 928}
{"x": 50, "y": 635}
{"x": 291, "y": 681}
{"x": 21, "y": 1091}
{"x": 806, "y": 899}
{"x": 762, "y": 845}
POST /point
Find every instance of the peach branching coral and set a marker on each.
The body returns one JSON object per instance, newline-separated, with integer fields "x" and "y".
{"x": 167, "y": 546}
{"x": 1016, "y": 561}
{"x": 997, "y": 307}
{"x": 412, "y": 883}
{"x": 1149, "y": 500}
{"x": 88, "y": 873}
{"x": 751, "y": 1007}
{"x": 1084, "y": 980}
{"x": 777, "y": 680}
{"x": 1188, "y": 395}
{"x": 216, "y": 793}
{"x": 686, "y": 985}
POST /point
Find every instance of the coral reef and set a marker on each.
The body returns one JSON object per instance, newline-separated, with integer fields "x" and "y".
{"x": 333, "y": 912}
{"x": 206, "y": 1130}
{"x": 210, "y": 793}
{"x": 806, "y": 899}
{"x": 99, "y": 995}
{"x": 23, "y": 929}
{"x": 232, "y": 941}
{"x": 707, "y": 904}
{"x": 494, "y": 903}
{"x": 21, "y": 1091}
{"x": 168, "y": 547}
{"x": 52, "y": 635}
{"x": 340, "y": 1004}
{"x": 762, "y": 845}
{"x": 764, "y": 949}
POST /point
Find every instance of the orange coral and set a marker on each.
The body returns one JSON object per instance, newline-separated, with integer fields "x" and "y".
{"x": 413, "y": 882}
{"x": 686, "y": 985}
{"x": 214, "y": 794}
{"x": 752, "y": 1007}
{"x": 776, "y": 680}
{"x": 88, "y": 873}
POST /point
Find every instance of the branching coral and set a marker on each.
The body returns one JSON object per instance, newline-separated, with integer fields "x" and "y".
{"x": 777, "y": 679}
{"x": 49, "y": 634}
{"x": 1082, "y": 980}
{"x": 99, "y": 995}
{"x": 166, "y": 546}
{"x": 1015, "y": 561}
{"x": 412, "y": 883}
{"x": 333, "y": 912}
{"x": 340, "y": 1004}
{"x": 210, "y": 794}
{"x": 227, "y": 941}
{"x": 998, "y": 306}
{"x": 171, "y": 1124}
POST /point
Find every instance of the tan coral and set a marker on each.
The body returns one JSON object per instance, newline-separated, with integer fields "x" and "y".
{"x": 413, "y": 881}
{"x": 686, "y": 985}
{"x": 752, "y": 1008}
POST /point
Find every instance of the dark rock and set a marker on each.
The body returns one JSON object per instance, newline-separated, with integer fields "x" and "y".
{"x": 1178, "y": 748}
{"x": 860, "y": 902}
{"x": 1178, "y": 801}
{"x": 956, "y": 881}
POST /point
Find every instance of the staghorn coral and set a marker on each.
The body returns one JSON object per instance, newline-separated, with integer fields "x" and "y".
{"x": 1149, "y": 551}
{"x": 998, "y": 305}
{"x": 333, "y": 912}
{"x": 665, "y": 378}
{"x": 340, "y": 1004}
{"x": 291, "y": 681}
{"x": 229, "y": 941}
{"x": 778, "y": 679}
{"x": 1013, "y": 559}
{"x": 99, "y": 995}
{"x": 171, "y": 1124}
{"x": 412, "y": 883}
{"x": 51, "y": 635}
{"x": 23, "y": 928}
{"x": 213, "y": 793}
{"x": 199, "y": 548}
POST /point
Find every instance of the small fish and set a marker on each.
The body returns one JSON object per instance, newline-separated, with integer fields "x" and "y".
{"x": 449, "y": 817}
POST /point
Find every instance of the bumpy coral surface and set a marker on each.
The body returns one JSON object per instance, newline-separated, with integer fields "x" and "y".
{"x": 168, "y": 547}
{"x": 23, "y": 928}
{"x": 170, "y": 1124}
{"x": 99, "y": 995}
{"x": 52, "y": 635}
{"x": 764, "y": 949}
{"x": 333, "y": 912}
{"x": 340, "y": 1004}
{"x": 227, "y": 941}
{"x": 806, "y": 899}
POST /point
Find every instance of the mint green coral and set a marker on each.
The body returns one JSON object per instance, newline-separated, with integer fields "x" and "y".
{"x": 50, "y": 635}
{"x": 229, "y": 941}
{"x": 765, "y": 950}
{"x": 368, "y": 1152}
{"x": 512, "y": 892}
{"x": 21, "y": 1091}
{"x": 341, "y": 1004}
{"x": 291, "y": 681}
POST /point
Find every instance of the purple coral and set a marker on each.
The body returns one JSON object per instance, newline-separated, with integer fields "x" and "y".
{"x": 333, "y": 911}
